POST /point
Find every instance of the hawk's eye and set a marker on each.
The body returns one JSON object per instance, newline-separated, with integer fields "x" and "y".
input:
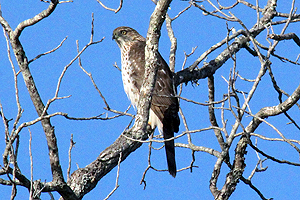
{"x": 123, "y": 32}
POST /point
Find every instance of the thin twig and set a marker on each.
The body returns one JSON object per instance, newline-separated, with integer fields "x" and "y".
{"x": 48, "y": 52}
{"x": 31, "y": 165}
{"x": 111, "y": 9}
{"x": 117, "y": 178}
{"x": 72, "y": 144}
{"x": 91, "y": 77}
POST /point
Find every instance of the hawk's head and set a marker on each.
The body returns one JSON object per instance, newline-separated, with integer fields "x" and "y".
{"x": 125, "y": 35}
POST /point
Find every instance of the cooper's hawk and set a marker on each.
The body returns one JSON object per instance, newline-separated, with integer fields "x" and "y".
{"x": 164, "y": 105}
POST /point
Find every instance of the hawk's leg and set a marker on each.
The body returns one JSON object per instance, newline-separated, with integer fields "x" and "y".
{"x": 150, "y": 130}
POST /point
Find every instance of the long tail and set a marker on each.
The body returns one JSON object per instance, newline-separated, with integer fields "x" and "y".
{"x": 170, "y": 125}
{"x": 170, "y": 152}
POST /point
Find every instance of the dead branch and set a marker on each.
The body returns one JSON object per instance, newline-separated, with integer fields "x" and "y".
{"x": 72, "y": 145}
{"x": 111, "y": 9}
{"x": 48, "y": 52}
{"x": 212, "y": 116}
{"x": 117, "y": 179}
{"x": 287, "y": 36}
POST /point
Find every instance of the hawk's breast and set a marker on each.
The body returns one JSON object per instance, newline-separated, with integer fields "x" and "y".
{"x": 131, "y": 75}
{"x": 133, "y": 69}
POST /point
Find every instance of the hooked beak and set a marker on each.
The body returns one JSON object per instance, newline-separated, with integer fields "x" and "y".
{"x": 114, "y": 37}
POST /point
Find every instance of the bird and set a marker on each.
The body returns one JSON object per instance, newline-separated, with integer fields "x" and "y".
{"x": 164, "y": 107}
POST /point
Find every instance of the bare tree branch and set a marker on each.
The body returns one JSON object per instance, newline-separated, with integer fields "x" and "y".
{"x": 51, "y": 51}
{"x": 111, "y": 9}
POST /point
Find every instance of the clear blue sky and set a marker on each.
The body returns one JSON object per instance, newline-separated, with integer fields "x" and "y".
{"x": 91, "y": 137}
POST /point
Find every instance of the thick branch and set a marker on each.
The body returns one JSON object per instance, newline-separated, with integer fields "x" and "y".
{"x": 85, "y": 179}
{"x": 38, "y": 104}
{"x": 211, "y": 111}
{"x": 151, "y": 58}
{"x": 287, "y": 36}
{"x": 36, "y": 19}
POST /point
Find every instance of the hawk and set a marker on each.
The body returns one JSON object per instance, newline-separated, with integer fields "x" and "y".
{"x": 164, "y": 106}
